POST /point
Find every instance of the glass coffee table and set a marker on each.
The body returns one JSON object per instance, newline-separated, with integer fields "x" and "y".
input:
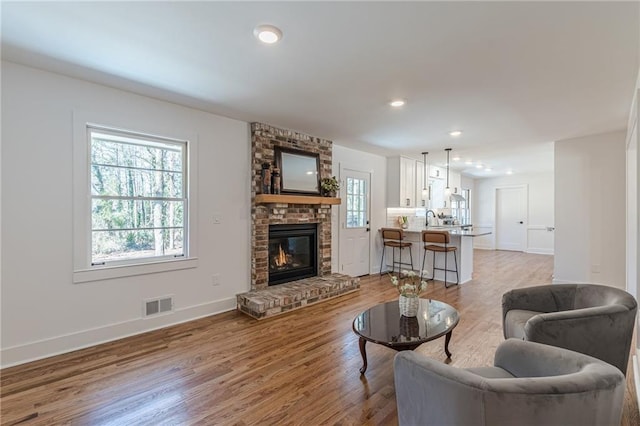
{"x": 383, "y": 324}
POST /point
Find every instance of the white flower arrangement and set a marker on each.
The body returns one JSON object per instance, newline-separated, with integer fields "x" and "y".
{"x": 409, "y": 284}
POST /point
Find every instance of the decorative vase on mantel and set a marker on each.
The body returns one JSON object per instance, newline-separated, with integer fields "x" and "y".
{"x": 409, "y": 305}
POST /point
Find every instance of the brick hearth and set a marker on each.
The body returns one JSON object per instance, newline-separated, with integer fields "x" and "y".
{"x": 284, "y": 297}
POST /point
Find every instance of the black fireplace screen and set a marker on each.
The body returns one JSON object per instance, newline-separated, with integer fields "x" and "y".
{"x": 292, "y": 252}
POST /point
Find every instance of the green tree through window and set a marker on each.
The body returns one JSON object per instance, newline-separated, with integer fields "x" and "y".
{"x": 138, "y": 196}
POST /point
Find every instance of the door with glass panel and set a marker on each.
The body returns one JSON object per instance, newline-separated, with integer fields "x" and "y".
{"x": 354, "y": 223}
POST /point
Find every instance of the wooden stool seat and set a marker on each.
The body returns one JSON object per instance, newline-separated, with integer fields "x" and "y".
{"x": 439, "y": 249}
{"x": 397, "y": 244}
{"x": 394, "y": 238}
{"x": 439, "y": 237}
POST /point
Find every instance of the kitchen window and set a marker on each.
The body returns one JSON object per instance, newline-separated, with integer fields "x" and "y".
{"x": 465, "y": 211}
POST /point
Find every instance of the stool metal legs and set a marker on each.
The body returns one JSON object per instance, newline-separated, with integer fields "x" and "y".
{"x": 393, "y": 259}
{"x": 433, "y": 267}
{"x": 455, "y": 258}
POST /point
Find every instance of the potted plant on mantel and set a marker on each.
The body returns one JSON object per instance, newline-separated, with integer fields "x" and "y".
{"x": 329, "y": 186}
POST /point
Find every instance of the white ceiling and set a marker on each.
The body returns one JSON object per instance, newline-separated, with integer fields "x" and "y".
{"x": 514, "y": 76}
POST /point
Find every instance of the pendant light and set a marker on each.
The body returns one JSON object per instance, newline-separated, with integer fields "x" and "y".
{"x": 447, "y": 190}
{"x": 425, "y": 190}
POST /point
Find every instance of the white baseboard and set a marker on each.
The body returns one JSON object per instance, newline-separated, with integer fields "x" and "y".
{"x": 539, "y": 251}
{"x": 70, "y": 342}
{"x": 558, "y": 281}
{"x": 482, "y": 247}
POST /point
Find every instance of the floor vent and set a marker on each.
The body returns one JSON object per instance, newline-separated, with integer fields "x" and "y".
{"x": 158, "y": 306}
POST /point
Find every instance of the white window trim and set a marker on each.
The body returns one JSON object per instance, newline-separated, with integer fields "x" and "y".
{"x": 83, "y": 271}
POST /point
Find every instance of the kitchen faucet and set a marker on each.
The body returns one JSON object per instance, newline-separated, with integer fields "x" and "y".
{"x": 427, "y": 217}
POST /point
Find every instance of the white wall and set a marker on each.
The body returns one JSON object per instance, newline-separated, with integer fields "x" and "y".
{"x": 632, "y": 158}
{"x": 43, "y": 312}
{"x": 467, "y": 182}
{"x": 377, "y": 166}
{"x": 633, "y": 218}
{"x": 540, "y": 211}
{"x": 590, "y": 210}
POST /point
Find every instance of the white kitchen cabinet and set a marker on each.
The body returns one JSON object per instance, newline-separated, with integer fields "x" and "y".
{"x": 422, "y": 200}
{"x": 455, "y": 182}
{"x": 401, "y": 182}
{"x": 436, "y": 172}
{"x": 437, "y": 200}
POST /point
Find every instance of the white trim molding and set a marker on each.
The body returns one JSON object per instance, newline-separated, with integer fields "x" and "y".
{"x": 34, "y": 351}
{"x": 636, "y": 376}
{"x": 82, "y": 270}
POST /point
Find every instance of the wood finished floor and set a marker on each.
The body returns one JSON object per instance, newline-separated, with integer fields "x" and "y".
{"x": 298, "y": 368}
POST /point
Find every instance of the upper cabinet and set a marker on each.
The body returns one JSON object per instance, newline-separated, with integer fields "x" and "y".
{"x": 401, "y": 182}
{"x": 422, "y": 197}
{"x": 455, "y": 182}
{"x": 437, "y": 172}
{"x": 436, "y": 193}
{"x": 405, "y": 182}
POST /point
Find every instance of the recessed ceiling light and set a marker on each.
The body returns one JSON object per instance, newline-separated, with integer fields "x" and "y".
{"x": 267, "y": 33}
{"x": 468, "y": 162}
{"x": 456, "y": 158}
{"x": 509, "y": 172}
{"x": 397, "y": 103}
{"x": 487, "y": 169}
{"x": 455, "y": 133}
{"x": 478, "y": 166}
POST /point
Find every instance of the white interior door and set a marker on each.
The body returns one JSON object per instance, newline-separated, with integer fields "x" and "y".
{"x": 511, "y": 208}
{"x": 354, "y": 223}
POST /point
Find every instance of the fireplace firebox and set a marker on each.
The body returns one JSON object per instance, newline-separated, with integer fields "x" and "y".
{"x": 292, "y": 252}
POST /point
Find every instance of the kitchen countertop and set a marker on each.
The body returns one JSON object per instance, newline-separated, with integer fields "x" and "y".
{"x": 453, "y": 230}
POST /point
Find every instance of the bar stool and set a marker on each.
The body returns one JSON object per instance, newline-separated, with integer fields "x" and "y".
{"x": 394, "y": 238}
{"x": 439, "y": 237}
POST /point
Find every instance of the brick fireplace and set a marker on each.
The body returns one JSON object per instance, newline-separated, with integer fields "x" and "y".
{"x": 264, "y": 139}
{"x": 264, "y": 300}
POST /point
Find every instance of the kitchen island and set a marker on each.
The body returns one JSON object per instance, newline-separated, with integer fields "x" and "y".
{"x": 461, "y": 239}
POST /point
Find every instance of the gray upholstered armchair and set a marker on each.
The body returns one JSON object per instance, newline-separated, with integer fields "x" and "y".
{"x": 596, "y": 320}
{"x": 529, "y": 384}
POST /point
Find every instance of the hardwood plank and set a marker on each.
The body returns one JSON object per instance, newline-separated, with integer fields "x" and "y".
{"x": 297, "y": 368}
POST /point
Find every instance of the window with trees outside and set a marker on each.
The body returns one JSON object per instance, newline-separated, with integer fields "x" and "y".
{"x": 356, "y": 203}
{"x": 138, "y": 197}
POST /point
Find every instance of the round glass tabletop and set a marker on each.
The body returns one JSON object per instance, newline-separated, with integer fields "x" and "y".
{"x": 384, "y": 325}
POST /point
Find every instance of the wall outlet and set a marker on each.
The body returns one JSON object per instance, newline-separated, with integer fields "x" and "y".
{"x": 215, "y": 280}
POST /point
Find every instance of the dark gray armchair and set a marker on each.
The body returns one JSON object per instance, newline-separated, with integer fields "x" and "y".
{"x": 596, "y": 320}
{"x": 529, "y": 384}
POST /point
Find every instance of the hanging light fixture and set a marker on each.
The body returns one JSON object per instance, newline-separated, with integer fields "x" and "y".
{"x": 447, "y": 190}
{"x": 425, "y": 177}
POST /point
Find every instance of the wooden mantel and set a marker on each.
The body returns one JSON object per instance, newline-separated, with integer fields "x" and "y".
{"x": 294, "y": 199}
